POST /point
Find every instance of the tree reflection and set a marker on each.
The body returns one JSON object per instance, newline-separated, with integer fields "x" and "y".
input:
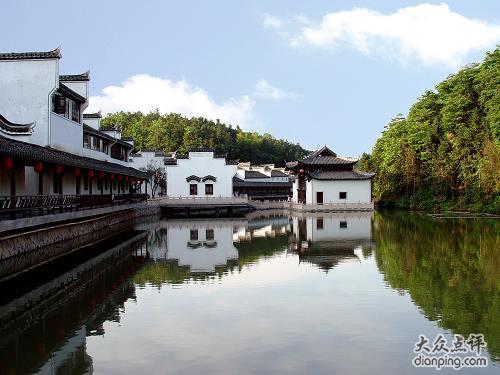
{"x": 450, "y": 268}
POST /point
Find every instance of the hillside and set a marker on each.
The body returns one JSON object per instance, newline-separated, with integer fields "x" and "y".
{"x": 446, "y": 153}
{"x": 173, "y": 132}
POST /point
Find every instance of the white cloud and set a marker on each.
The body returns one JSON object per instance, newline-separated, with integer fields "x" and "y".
{"x": 146, "y": 93}
{"x": 264, "y": 90}
{"x": 431, "y": 33}
{"x": 271, "y": 22}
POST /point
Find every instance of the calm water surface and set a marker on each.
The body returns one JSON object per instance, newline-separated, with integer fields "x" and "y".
{"x": 330, "y": 293}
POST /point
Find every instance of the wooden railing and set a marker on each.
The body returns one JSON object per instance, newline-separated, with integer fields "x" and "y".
{"x": 12, "y": 207}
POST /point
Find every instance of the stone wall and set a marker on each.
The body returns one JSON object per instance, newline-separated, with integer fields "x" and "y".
{"x": 22, "y": 251}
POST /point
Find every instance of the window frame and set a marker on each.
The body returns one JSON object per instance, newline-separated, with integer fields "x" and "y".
{"x": 344, "y": 193}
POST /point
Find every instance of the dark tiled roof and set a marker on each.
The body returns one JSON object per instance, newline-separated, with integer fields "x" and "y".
{"x": 75, "y": 77}
{"x": 55, "y": 54}
{"x": 254, "y": 174}
{"x": 128, "y": 139}
{"x": 237, "y": 179}
{"x": 323, "y": 151}
{"x": 91, "y": 130}
{"x": 232, "y": 162}
{"x": 193, "y": 178}
{"x": 92, "y": 115}
{"x": 34, "y": 152}
{"x": 276, "y": 173}
{"x": 13, "y": 128}
{"x": 343, "y": 175}
{"x": 327, "y": 160}
{"x": 66, "y": 91}
{"x": 209, "y": 177}
{"x": 292, "y": 164}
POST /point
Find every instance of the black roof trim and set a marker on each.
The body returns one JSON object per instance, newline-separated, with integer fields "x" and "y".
{"x": 35, "y": 152}
{"x": 341, "y": 175}
{"x": 54, "y": 54}
{"x": 12, "y": 128}
{"x": 75, "y": 77}
{"x": 92, "y": 115}
{"x": 193, "y": 178}
{"x": 209, "y": 177}
{"x": 66, "y": 91}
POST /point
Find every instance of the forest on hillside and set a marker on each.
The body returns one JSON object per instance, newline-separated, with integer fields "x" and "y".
{"x": 173, "y": 132}
{"x": 445, "y": 153}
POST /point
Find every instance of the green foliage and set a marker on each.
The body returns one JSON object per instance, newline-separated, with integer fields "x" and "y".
{"x": 173, "y": 132}
{"x": 448, "y": 147}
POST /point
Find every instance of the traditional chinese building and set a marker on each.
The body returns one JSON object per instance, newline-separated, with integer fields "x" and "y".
{"x": 324, "y": 179}
{"x": 47, "y": 145}
{"x": 262, "y": 182}
{"x": 200, "y": 173}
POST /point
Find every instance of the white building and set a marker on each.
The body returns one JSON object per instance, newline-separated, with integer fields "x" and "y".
{"x": 46, "y": 145}
{"x": 323, "y": 178}
{"x": 201, "y": 173}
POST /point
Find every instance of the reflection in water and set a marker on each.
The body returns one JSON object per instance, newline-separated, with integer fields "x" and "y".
{"x": 327, "y": 240}
{"x": 163, "y": 296}
{"x": 450, "y": 268}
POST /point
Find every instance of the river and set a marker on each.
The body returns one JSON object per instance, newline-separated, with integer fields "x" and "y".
{"x": 269, "y": 293}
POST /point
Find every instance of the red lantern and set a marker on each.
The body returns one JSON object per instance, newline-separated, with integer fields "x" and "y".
{"x": 90, "y": 173}
{"x": 111, "y": 176}
{"x": 7, "y": 162}
{"x": 77, "y": 172}
{"x": 302, "y": 171}
{"x": 101, "y": 175}
{"x": 126, "y": 178}
{"x": 120, "y": 177}
{"x": 38, "y": 167}
{"x": 58, "y": 169}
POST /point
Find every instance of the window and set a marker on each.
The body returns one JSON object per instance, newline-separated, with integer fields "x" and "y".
{"x": 319, "y": 223}
{"x": 193, "y": 234}
{"x": 209, "y": 234}
{"x": 343, "y": 195}
{"x": 105, "y": 147}
{"x": 87, "y": 139}
{"x": 209, "y": 189}
{"x": 75, "y": 112}
{"x": 193, "y": 189}
{"x": 59, "y": 102}
{"x": 343, "y": 224}
{"x": 96, "y": 144}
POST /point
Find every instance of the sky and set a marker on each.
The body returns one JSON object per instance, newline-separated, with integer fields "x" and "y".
{"x": 313, "y": 72}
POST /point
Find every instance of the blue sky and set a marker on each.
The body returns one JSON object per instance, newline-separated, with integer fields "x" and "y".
{"x": 315, "y": 72}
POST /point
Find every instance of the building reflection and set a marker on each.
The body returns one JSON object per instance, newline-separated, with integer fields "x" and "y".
{"x": 44, "y": 330}
{"x": 327, "y": 239}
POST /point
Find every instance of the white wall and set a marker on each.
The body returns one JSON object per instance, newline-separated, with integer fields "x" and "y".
{"x": 26, "y": 87}
{"x": 358, "y": 191}
{"x": 65, "y": 134}
{"x": 201, "y": 259}
{"x": 200, "y": 164}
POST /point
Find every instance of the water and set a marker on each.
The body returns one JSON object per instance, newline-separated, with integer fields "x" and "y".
{"x": 331, "y": 293}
